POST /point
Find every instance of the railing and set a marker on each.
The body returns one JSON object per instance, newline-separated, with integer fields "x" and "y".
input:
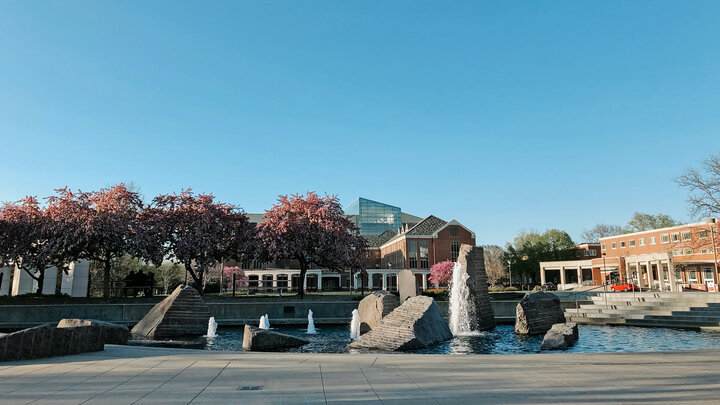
{"x": 603, "y": 286}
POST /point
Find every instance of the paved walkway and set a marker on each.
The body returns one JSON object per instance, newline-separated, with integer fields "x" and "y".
{"x": 129, "y": 375}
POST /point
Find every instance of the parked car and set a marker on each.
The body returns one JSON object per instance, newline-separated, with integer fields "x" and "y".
{"x": 623, "y": 287}
{"x": 549, "y": 286}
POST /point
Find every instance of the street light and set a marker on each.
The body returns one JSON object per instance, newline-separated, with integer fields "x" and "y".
{"x": 510, "y": 270}
{"x": 711, "y": 222}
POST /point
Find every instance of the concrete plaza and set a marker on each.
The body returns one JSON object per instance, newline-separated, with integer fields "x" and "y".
{"x": 129, "y": 375}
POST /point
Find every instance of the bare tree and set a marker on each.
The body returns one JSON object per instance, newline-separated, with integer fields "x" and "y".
{"x": 494, "y": 263}
{"x": 594, "y": 234}
{"x": 704, "y": 187}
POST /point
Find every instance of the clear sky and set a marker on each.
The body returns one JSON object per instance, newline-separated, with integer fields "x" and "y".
{"x": 504, "y": 115}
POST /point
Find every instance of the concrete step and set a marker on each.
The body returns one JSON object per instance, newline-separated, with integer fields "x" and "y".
{"x": 670, "y": 324}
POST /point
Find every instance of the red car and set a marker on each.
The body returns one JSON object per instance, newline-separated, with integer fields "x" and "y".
{"x": 623, "y": 287}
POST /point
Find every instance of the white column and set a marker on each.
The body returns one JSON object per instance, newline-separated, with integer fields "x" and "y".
{"x": 384, "y": 281}
{"x": 320, "y": 280}
{"x": 579, "y": 275}
{"x": 424, "y": 281}
{"x": 562, "y": 275}
{"x": 370, "y": 281}
{"x": 542, "y": 275}
{"x": 651, "y": 279}
{"x": 305, "y": 282}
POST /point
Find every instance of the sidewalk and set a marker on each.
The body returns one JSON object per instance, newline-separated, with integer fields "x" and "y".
{"x": 128, "y": 374}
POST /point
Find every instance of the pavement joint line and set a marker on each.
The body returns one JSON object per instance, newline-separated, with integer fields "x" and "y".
{"x": 81, "y": 382}
{"x": 371, "y": 386}
{"x": 46, "y": 368}
{"x": 373, "y": 363}
{"x": 418, "y": 385}
{"x": 211, "y": 381}
{"x": 57, "y": 375}
{"x": 110, "y": 389}
{"x": 161, "y": 385}
{"x": 322, "y": 382}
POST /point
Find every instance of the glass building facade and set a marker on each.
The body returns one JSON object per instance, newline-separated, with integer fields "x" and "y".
{"x": 374, "y": 218}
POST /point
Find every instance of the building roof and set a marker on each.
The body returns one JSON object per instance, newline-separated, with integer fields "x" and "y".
{"x": 425, "y": 227}
{"x": 379, "y": 240}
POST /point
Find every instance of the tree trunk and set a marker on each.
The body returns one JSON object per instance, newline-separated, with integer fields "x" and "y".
{"x": 41, "y": 282}
{"x": 58, "y": 281}
{"x": 303, "y": 273}
{"x": 197, "y": 278}
{"x": 106, "y": 281}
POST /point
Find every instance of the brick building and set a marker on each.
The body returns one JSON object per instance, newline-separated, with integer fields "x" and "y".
{"x": 667, "y": 259}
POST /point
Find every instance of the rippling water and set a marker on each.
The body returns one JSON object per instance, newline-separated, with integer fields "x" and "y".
{"x": 502, "y": 340}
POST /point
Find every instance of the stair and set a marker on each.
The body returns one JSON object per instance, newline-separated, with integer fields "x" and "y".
{"x": 687, "y": 310}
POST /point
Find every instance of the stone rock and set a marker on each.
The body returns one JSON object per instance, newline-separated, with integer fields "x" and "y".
{"x": 374, "y": 308}
{"x": 256, "y": 339}
{"x": 182, "y": 313}
{"x": 537, "y": 313}
{"x": 416, "y": 323}
{"x": 48, "y": 341}
{"x": 560, "y": 336}
{"x": 473, "y": 260}
{"x": 407, "y": 285}
{"x": 114, "y": 334}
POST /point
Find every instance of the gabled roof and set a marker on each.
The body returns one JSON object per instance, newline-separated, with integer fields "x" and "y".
{"x": 377, "y": 241}
{"x": 426, "y": 227}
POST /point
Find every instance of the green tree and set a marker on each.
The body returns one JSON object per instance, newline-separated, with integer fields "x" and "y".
{"x": 530, "y": 248}
{"x": 646, "y": 222}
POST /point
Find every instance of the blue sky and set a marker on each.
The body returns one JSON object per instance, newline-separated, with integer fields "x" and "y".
{"x": 502, "y": 115}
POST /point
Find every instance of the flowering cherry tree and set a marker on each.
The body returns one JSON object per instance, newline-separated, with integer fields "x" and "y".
{"x": 312, "y": 230}
{"x": 441, "y": 272}
{"x": 241, "y": 279}
{"x": 200, "y": 232}
{"x": 33, "y": 239}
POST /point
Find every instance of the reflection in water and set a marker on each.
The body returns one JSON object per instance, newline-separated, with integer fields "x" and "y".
{"x": 501, "y": 340}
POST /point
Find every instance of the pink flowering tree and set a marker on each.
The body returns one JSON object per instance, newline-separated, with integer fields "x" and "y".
{"x": 241, "y": 279}
{"x": 441, "y": 272}
{"x": 312, "y": 230}
{"x": 199, "y": 232}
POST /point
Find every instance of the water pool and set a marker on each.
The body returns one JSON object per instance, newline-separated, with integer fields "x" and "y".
{"x": 502, "y": 340}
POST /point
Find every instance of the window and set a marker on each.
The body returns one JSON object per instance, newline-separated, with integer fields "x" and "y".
{"x": 257, "y": 264}
{"x": 652, "y": 240}
{"x": 424, "y": 254}
{"x": 622, "y": 244}
{"x": 454, "y": 230}
{"x": 642, "y": 241}
{"x": 688, "y": 251}
{"x": 665, "y": 238}
{"x": 692, "y": 275}
{"x": 686, "y": 235}
{"x": 412, "y": 254}
{"x": 632, "y": 242}
{"x": 577, "y": 253}
{"x": 705, "y": 250}
{"x": 708, "y": 274}
{"x": 677, "y": 252}
{"x": 590, "y": 252}
{"x": 602, "y": 247}
{"x": 702, "y": 234}
{"x": 613, "y": 245}
{"x": 454, "y": 250}
{"x": 675, "y": 237}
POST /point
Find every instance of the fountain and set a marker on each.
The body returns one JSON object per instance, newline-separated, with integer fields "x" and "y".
{"x": 264, "y": 322}
{"x": 462, "y": 307}
{"x": 311, "y": 324}
{"x": 355, "y": 325}
{"x": 212, "y": 327}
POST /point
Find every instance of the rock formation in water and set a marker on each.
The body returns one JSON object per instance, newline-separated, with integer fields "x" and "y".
{"x": 256, "y": 339}
{"x": 560, "y": 337}
{"x": 48, "y": 341}
{"x": 537, "y": 313}
{"x": 182, "y": 313}
{"x": 114, "y": 334}
{"x": 416, "y": 323}
{"x": 374, "y": 308}
{"x": 473, "y": 260}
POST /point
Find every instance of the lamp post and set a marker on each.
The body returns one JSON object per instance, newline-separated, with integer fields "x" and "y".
{"x": 510, "y": 270}
{"x": 711, "y": 222}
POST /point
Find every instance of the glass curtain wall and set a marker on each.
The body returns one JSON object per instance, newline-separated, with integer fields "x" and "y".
{"x": 374, "y": 218}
